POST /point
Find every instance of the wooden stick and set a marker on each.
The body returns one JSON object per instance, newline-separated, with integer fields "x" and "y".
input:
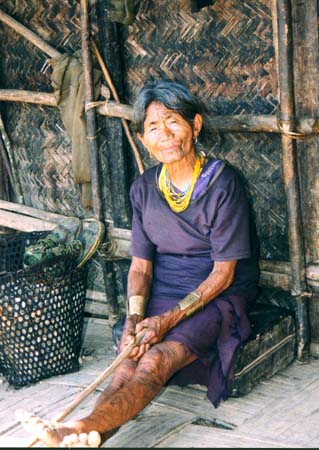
{"x": 115, "y": 109}
{"x": 14, "y": 172}
{"x": 32, "y": 37}
{"x": 99, "y": 380}
{"x": 116, "y": 97}
{"x": 6, "y": 163}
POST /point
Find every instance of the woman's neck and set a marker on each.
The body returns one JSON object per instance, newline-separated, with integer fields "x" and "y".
{"x": 181, "y": 172}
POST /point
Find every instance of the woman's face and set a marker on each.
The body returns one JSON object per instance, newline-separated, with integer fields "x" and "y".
{"x": 167, "y": 135}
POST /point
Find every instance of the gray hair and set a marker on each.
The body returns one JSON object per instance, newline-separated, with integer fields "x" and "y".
{"x": 172, "y": 95}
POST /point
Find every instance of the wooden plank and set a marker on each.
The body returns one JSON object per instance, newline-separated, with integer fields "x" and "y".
{"x": 193, "y": 436}
{"x": 184, "y": 400}
{"x": 24, "y": 223}
{"x": 288, "y": 416}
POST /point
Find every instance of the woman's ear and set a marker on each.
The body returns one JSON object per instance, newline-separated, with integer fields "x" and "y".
{"x": 197, "y": 124}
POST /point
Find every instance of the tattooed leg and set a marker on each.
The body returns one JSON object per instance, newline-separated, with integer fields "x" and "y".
{"x": 120, "y": 402}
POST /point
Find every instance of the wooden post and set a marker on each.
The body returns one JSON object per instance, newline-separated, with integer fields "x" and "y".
{"x": 291, "y": 181}
{"x": 90, "y": 113}
{"x": 306, "y": 77}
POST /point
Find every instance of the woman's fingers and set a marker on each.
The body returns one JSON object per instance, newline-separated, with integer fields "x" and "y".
{"x": 140, "y": 351}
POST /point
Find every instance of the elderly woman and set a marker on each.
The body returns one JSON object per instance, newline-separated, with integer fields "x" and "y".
{"x": 192, "y": 276}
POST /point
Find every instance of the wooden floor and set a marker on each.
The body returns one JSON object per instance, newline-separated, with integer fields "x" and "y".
{"x": 282, "y": 412}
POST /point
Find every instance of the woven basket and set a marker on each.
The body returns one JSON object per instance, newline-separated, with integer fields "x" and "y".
{"x": 41, "y": 314}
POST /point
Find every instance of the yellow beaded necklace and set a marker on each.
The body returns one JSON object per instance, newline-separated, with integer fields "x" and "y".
{"x": 178, "y": 201}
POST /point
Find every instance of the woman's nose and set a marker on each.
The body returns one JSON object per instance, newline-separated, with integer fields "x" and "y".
{"x": 166, "y": 132}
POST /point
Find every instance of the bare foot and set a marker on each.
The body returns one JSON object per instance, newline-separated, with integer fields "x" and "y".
{"x": 56, "y": 434}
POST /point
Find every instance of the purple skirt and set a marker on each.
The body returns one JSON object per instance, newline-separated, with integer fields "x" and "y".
{"x": 213, "y": 335}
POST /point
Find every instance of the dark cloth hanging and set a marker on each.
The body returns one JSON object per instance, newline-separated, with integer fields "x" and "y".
{"x": 68, "y": 85}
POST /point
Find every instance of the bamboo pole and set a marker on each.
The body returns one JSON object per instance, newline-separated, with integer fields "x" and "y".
{"x": 90, "y": 113}
{"x": 243, "y": 123}
{"x": 115, "y": 109}
{"x": 29, "y": 35}
{"x": 290, "y": 176}
{"x": 116, "y": 97}
{"x": 306, "y": 88}
{"x": 19, "y": 95}
{"x": 106, "y": 108}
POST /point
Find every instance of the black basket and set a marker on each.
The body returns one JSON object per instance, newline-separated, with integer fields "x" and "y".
{"x": 41, "y": 313}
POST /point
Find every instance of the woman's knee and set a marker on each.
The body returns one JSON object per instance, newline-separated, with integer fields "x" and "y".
{"x": 124, "y": 372}
{"x": 163, "y": 360}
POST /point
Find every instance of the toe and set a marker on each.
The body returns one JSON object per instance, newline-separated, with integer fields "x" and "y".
{"x": 83, "y": 438}
{"x": 94, "y": 439}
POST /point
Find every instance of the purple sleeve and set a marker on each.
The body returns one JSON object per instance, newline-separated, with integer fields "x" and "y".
{"x": 141, "y": 246}
{"x": 230, "y": 235}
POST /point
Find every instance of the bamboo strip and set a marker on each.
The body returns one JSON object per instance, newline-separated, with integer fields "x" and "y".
{"x": 14, "y": 172}
{"x": 116, "y": 97}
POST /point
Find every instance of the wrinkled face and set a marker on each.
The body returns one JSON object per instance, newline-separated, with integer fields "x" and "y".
{"x": 167, "y": 135}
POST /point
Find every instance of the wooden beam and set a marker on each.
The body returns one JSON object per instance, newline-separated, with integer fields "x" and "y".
{"x": 19, "y": 95}
{"x": 245, "y": 123}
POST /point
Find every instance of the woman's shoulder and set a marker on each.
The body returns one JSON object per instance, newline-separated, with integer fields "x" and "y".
{"x": 226, "y": 171}
{"x": 225, "y": 177}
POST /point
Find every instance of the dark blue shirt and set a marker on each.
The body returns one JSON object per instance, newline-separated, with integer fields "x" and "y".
{"x": 215, "y": 227}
